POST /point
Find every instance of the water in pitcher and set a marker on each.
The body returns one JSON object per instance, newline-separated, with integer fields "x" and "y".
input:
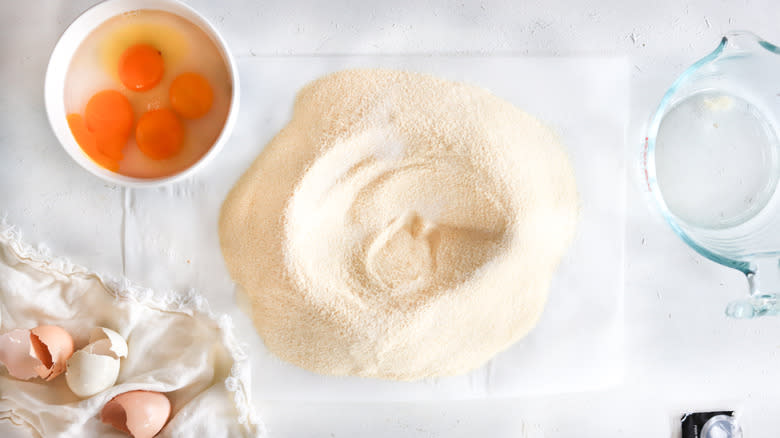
{"x": 716, "y": 161}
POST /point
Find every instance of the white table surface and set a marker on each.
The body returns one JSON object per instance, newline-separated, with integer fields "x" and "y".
{"x": 682, "y": 354}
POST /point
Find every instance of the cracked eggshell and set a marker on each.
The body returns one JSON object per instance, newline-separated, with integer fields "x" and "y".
{"x": 53, "y": 346}
{"x": 17, "y": 354}
{"x": 89, "y": 373}
{"x": 116, "y": 342}
{"x": 95, "y": 367}
{"x": 142, "y": 414}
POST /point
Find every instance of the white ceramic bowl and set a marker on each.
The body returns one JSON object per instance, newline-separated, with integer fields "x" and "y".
{"x": 54, "y": 88}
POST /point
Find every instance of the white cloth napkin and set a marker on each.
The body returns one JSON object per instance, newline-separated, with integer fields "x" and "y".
{"x": 176, "y": 346}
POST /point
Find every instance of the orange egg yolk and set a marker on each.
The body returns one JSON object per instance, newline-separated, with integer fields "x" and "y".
{"x": 159, "y": 134}
{"x": 141, "y": 67}
{"x": 191, "y": 95}
{"x": 88, "y": 142}
{"x": 109, "y": 111}
{"x": 109, "y": 116}
{"x": 105, "y": 128}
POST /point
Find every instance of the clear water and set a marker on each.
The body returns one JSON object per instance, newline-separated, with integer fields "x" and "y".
{"x": 716, "y": 160}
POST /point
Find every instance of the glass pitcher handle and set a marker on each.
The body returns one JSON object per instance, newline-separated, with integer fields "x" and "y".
{"x": 760, "y": 302}
{"x": 752, "y": 307}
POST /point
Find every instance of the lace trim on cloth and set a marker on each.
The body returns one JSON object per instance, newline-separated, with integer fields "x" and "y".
{"x": 188, "y": 303}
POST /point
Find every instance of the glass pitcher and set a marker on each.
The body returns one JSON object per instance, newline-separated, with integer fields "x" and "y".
{"x": 711, "y": 163}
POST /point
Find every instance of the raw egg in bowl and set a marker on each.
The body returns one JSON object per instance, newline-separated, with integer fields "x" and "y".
{"x": 142, "y": 92}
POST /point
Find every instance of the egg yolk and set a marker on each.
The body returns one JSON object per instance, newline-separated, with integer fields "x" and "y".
{"x": 191, "y": 95}
{"x": 109, "y": 116}
{"x": 111, "y": 144}
{"x": 110, "y": 111}
{"x": 159, "y": 134}
{"x": 88, "y": 142}
{"x": 141, "y": 67}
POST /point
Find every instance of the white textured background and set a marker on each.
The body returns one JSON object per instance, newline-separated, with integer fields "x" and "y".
{"x": 682, "y": 354}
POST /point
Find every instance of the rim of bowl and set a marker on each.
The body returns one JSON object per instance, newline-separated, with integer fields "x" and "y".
{"x": 59, "y": 63}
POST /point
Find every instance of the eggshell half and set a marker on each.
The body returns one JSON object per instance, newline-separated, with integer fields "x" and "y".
{"x": 53, "y": 346}
{"x": 95, "y": 367}
{"x": 17, "y": 354}
{"x": 117, "y": 344}
{"x": 89, "y": 374}
{"x": 142, "y": 414}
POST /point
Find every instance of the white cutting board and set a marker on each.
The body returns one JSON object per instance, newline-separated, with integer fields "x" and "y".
{"x": 167, "y": 238}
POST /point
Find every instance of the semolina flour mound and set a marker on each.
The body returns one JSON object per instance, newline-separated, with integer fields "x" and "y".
{"x": 400, "y": 226}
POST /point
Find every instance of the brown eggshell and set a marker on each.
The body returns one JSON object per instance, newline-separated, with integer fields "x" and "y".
{"x": 16, "y": 354}
{"x": 53, "y": 346}
{"x": 141, "y": 414}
